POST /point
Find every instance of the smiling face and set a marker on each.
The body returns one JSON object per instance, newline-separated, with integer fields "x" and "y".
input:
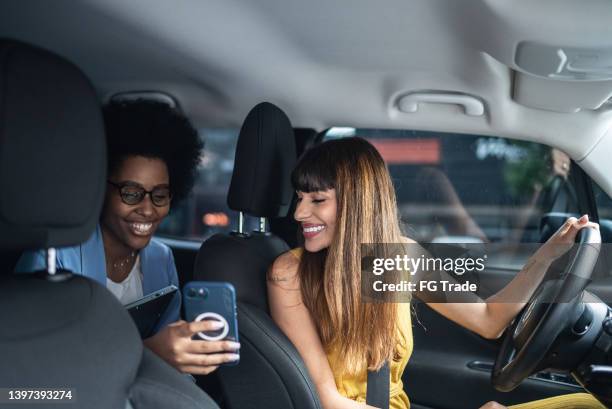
{"x": 316, "y": 213}
{"x": 126, "y": 227}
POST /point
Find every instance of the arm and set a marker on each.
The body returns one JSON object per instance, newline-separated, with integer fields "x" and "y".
{"x": 294, "y": 319}
{"x": 490, "y": 318}
{"x": 173, "y": 337}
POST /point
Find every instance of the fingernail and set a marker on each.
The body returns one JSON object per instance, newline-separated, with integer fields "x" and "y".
{"x": 234, "y": 357}
{"x": 234, "y": 345}
{"x": 216, "y": 324}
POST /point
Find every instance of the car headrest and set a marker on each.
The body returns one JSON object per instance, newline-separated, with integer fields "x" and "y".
{"x": 52, "y": 150}
{"x": 265, "y": 157}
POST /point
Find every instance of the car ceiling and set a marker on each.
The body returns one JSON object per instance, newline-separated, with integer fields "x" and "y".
{"x": 342, "y": 63}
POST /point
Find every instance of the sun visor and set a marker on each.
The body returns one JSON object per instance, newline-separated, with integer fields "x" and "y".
{"x": 562, "y": 78}
{"x": 558, "y": 95}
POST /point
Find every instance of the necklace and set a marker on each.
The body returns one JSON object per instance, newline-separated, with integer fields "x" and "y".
{"x": 126, "y": 261}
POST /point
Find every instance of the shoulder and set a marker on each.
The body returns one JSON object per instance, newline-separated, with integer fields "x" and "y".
{"x": 285, "y": 267}
{"x": 157, "y": 248}
{"x": 157, "y": 261}
{"x": 407, "y": 240}
{"x": 289, "y": 261}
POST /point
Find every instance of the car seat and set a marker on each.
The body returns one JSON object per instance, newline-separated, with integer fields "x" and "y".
{"x": 59, "y": 330}
{"x": 271, "y": 373}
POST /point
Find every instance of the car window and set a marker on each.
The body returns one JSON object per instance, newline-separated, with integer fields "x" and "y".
{"x": 604, "y": 203}
{"x": 205, "y": 211}
{"x": 604, "y": 210}
{"x": 604, "y": 264}
{"x": 471, "y": 188}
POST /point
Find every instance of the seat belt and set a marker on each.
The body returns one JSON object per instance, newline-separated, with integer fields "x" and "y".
{"x": 378, "y": 387}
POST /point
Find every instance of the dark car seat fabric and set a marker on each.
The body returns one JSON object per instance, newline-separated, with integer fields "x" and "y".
{"x": 271, "y": 373}
{"x": 265, "y": 157}
{"x": 67, "y": 334}
{"x": 158, "y": 386}
{"x": 246, "y": 267}
{"x": 53, "y": 151}
{"x": 260, "y": 186}
{"x": 63, "y": 330}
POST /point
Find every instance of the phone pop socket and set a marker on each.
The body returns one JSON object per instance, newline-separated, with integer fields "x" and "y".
{"x": 216, "y": 317}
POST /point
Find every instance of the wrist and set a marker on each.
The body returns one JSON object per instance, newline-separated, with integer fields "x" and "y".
{"x": 154, "y": 344}
{"x": 540, "y": 259}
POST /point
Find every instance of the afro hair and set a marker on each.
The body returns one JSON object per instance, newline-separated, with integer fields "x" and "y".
{"x": 154, "y": 130}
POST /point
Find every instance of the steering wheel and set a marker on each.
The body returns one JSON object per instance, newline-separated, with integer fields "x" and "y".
{"x": 528, "y": 339}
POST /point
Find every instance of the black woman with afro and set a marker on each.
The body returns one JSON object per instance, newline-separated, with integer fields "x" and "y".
{"x": 153, "y": 154}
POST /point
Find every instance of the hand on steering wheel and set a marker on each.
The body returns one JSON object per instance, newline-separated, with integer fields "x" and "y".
{"x": 528, "y": 339}
{"x": 564, "y": 238}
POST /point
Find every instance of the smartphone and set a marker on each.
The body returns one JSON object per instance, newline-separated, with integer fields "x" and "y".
{"x": 212, "y": 300}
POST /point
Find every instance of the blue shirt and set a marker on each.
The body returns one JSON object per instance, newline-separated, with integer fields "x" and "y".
{"x": 88, "y": 259}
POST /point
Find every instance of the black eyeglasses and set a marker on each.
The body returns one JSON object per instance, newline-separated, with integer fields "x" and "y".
{"x": 134, "y": 194}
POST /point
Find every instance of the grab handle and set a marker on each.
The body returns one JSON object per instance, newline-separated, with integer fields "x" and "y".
{"x": 410, "y": 102}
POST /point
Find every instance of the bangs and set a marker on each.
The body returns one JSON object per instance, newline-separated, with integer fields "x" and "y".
{"x": 314, "y": 172}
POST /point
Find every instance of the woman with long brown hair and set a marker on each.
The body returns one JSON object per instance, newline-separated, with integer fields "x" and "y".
{"x": 345, "y": 199}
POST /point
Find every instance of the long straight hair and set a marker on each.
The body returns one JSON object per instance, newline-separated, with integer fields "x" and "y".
{"x": 330, "y": 280}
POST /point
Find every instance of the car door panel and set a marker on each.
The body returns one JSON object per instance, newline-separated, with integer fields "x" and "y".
{"x": 439, "y": 374}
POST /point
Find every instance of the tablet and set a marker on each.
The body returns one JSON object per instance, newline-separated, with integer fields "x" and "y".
{"x": 146, "y": 311}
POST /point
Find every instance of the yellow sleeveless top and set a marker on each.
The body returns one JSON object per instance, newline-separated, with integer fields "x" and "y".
{"x": 354, "y": 386}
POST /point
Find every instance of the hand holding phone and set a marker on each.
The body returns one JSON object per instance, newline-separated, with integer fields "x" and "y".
{"x": 175, "y": 344}
{"x": 215, "y": 302}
